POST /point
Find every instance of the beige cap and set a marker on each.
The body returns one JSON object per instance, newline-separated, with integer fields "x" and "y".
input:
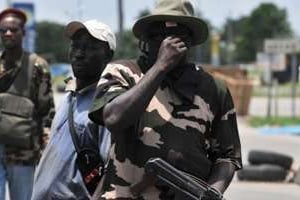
{"x": 96, "y": 28}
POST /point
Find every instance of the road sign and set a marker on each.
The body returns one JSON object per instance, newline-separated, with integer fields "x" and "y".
{"x": 275, "y": 61}
{"x": 282, "y": 45}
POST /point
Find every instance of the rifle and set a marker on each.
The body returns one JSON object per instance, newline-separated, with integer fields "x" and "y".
{"x": 181, "y": 182}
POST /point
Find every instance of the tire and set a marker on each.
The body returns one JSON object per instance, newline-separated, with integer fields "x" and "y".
{"x": 264, "y": 172}
{"x": 267, "y": 157}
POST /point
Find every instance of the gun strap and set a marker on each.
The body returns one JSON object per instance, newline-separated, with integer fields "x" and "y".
{"x": 98, "y": 192}
{"x": 71, "y": 123}
{"x": 9, "y": 80}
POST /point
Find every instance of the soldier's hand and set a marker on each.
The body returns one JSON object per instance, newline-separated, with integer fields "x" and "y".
{"x": 171, "y": 51}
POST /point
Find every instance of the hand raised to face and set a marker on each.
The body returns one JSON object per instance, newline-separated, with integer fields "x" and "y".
{"x": 171, "y": 51}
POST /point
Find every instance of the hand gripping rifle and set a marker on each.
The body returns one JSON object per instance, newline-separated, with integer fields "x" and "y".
{"x": 180, "y": 181}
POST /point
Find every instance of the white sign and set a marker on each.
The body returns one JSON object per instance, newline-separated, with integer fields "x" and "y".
{"x": 282, "y": 45}
{"x": 274, "y": 61}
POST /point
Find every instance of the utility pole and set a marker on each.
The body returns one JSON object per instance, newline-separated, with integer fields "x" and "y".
{"x": 121, "y": 16}
{"x": 294, "y": 84}
{"x": 270, "y": 84}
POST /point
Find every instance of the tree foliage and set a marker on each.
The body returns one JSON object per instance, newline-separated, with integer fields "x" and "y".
{"x": 50, "y": 41}
{"x": 248, "y": 33}
{"x": 127, "y": 46}
{"x": 143, "y": 13}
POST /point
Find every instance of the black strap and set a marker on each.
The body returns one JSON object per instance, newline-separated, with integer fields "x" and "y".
{"x": 6, "y": 82}
{"x": 20, "y": 81}
{"x": 71, "y": 123}
{"x": 89, "y": 162}
{"x": 99, "y": 189}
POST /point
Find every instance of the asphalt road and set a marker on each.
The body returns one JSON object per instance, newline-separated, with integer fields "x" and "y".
{"x": 252, "y": 140}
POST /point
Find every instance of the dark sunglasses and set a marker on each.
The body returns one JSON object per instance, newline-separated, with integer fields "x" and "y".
{"x": 4, "y": 30}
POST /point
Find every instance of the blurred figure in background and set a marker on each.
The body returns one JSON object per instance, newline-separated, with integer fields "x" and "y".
{"x": 27, "y": 108}
{"x": 70, "y": 167}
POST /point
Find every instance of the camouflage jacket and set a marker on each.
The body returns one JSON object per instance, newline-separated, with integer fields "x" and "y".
{"x": 42, "y": 96}
{"x": 190, "y": 122}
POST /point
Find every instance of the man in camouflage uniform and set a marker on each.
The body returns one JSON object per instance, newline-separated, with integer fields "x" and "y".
{"x": 163, "y": 106}
{"x": 19, "y": 79}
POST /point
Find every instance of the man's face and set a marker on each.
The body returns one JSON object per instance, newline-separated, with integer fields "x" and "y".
{"x": 88, "y": 55}
{"x": 11, "y": 32}
{"x": 158, "y": 31}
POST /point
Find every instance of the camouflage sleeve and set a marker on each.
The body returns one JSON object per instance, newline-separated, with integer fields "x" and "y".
{"x": 225, "y": 142}
{"x": 44, "y": 93}
{"x": 115, "y": 80}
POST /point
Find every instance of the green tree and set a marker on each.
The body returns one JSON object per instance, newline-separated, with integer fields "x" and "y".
{"x": 50, "y": 41}
{"x": 127, "y": 46}
{"x": 231, "y": 35}
{"x": 143, "y": 13}
{"x": 248, "y": 33}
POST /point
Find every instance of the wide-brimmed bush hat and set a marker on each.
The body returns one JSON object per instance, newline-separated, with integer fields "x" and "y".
{"x": 179, "y": 11}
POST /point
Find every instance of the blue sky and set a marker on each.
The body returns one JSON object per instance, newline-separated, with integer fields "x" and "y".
{"x": 216, "y": 11}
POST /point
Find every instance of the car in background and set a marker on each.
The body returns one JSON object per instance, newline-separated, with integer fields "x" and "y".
{"x": 60, "y": 69}
{"x": 59, "y": 72}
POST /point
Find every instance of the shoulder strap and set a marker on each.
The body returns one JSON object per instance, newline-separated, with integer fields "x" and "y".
{"x": 71, "y": 123}
{"x": 23, "y": 80}
{"x": 98, "y": 192}
{"x": 6, "y": 82}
